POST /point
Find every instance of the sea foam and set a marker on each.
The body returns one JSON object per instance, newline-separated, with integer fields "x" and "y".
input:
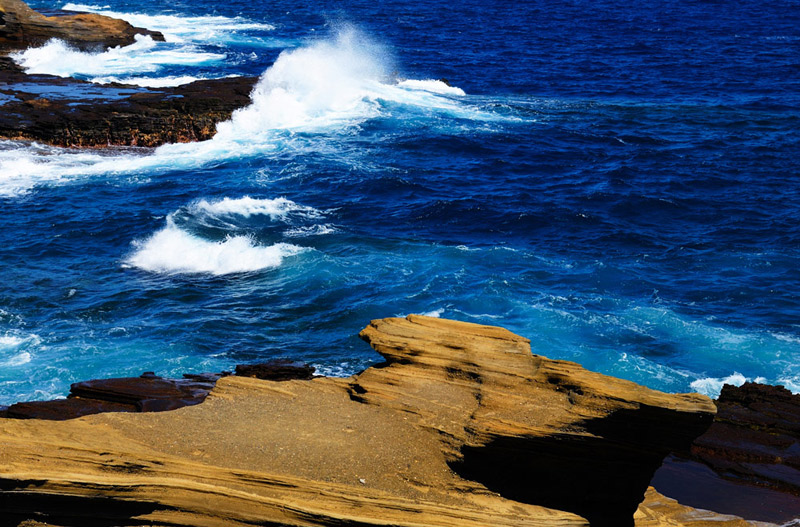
{"x": 145, "y": 55}
{"x": 246, "y": 206}
{"x": 178, "y": 29}
{"x": 175, "y": 251}
{"x": 328, "y": 87}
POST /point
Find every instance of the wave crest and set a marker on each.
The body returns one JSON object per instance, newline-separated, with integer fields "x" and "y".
{"x": 175, "y": 251}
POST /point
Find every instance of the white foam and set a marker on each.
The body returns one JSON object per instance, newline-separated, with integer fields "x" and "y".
{"x": 310, "y": 230}
{"x": 326, "y": 84}
{"x": 247, "y": 206}
{"x": 175, "y": 28}
{"x": 433, "y": 86}
{"x": 149, "y": 82}
{"x": 143, "y": 56}
{"x": 712, "y": 386}
{"x": 14, "y": 349}
{"x": 174, "y": 251}
{"x": 436, "y": 313}
{"x": 328, "y": 87}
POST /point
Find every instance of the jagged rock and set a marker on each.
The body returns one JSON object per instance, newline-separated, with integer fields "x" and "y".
{"x": 659, "y": 511}
{"x": 748, "y": 462}
{"x": 22, "y": 27}
{"x": 441, "y": 434}
{"x": 276, "y": 370}
{"x": 74, "y": 113}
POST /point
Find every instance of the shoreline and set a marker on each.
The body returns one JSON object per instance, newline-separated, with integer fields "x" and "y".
{"x": 385, "y": 430}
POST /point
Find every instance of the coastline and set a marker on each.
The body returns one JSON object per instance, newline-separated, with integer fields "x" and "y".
{"x": 420, "y": 439}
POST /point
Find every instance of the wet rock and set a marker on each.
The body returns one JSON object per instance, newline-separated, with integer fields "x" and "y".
{"x": 748, "y": 462}
{"x": 22, "y": 27}
{"x": 74, "y": 113}
{"x": 148, "y": 393}
{"x": 62, "y": 409}
{"x": 276, "y": 370}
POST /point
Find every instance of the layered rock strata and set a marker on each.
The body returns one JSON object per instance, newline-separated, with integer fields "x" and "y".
{"x": 748, "y": 462}
{"x": 22, "y": 27}
{"x": 462, "y": 426}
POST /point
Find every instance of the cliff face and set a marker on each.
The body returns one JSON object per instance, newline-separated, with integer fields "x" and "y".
{"x": 461, "y": 427}
{"x": 22, "y": 27}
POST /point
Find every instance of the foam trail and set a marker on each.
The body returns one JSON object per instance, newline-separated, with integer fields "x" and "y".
{"x": 178, "y": 29}
{"x": 143, "y": 56}
{"x": 174, "y": 251}
{"x": 433, "y": 86}
{"x": 246, "y": 206}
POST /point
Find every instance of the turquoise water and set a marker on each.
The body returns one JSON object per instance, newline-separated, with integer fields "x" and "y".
{"x": 616, "y": 182}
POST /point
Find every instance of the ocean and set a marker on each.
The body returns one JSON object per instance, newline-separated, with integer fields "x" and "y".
{"x": 617, "y": 181}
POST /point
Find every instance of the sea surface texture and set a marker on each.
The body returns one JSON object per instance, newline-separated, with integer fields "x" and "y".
{"x": 616, "y": 180}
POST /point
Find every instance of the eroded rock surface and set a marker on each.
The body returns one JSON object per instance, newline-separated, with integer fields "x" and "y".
{"x": 748, "y": 462}
{"x": 22, "y": 27}
{"x": 440, "y": 435}
{"x": 74, "y": 113}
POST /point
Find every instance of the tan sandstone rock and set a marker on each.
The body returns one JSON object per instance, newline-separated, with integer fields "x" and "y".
{"x": 461, "y": 427}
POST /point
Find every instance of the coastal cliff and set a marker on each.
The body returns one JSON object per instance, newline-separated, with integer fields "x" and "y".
{"x": 460, "y": 426}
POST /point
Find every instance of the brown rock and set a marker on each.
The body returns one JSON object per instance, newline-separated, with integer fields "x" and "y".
{"x": 75, "y": 113}
{"x": 276, "y": 370}
{"x": 659, "y": 511}
{"x": 748, "y": 462}
{"x": 22, "y": 27}
{"x": 440, "y": 435}
{"x": 148, "y": 393}
{"x": 62, "y": 409}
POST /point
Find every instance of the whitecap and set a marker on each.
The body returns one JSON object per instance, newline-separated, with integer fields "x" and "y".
{"x": 15, "y": 349}
{"x": 310, "y": 230}
{"x": 712, "y": 386}
{"x": 181, "y": 28}
{"x": 247, "y": 206}
{"x": 56, "y": 57}
{"x": 175, "y": 251}
{"x": 433, "y": 86}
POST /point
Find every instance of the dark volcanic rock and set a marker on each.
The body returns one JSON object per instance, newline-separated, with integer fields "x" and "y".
{"x": 22, "y": 27}
{"x": 73, "y": 113}
{"x": 148, "y": 393}
{"x": 748, "y": 462}
{"x": 755, "y": 437}
{"x": 276, "y": 370}
{"x": 62, "y": 409}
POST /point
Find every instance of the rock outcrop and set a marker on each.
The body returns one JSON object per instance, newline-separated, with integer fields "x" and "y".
{"x": 22, "y": 27}
{"x": 748, "y": 462}
{"x": 73, "y": 113}
{"x": 462, "y": 426}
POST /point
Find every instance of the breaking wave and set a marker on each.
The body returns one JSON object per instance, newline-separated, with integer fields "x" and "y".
{"x": 328, "y": 87}
{"x": 172, "y": 250}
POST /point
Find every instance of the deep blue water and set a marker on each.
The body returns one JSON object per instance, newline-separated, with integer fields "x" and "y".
{"x": 617, "y": 181}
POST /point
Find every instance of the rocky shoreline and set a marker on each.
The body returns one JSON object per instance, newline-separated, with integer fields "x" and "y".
{"x": 73, "y": 113}
{"x": 461, "y": 425}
